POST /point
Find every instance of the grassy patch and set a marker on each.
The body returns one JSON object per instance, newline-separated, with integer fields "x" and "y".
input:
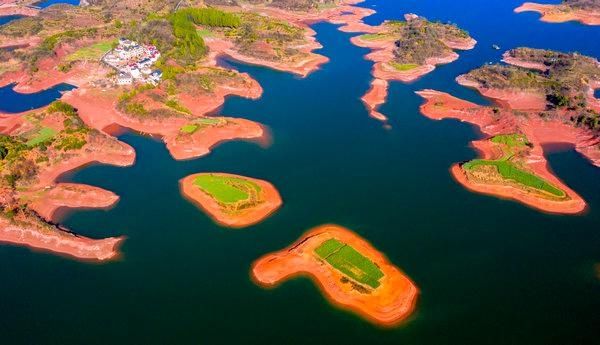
{"x": 189, "y": 128}
{"x": 204, "y": 33}
{"x": 91, "y": 52}
{"x": 350, "y": 262}
{"x": 403, "y": 66}
{"x": 44, "y": 135}
{"x": 509, "y": 171}
{"x": 226, "y": 189}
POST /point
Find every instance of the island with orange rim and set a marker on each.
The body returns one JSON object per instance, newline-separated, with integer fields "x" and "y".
{"x": 405, "y": 51}
{"x": 231, "y": 200}
{"x": 351, "y": 273}
{"x": 542, "y": 97}
{"x": 584, "y": 11}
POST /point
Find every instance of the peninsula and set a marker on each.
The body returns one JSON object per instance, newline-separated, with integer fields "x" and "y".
{"x": 35, "y": 149}
{"x": 584, "y": 11}
{"x": 231, "y": 200}
{"x": 407, "y": 50}
{"x": 351, "y": 273}
{"x": 542, "y": 97}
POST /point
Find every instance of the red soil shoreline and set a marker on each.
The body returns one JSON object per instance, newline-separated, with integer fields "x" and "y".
{"x": 271, "y": 202}
{"x": 387, "y": 306}
{"x": 440, "y": 105}
{"x": 60, "y": 242}
{"x": 556, "y": 14}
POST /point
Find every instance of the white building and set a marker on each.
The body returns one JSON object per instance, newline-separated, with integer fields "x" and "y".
{"x": 124, "y": 79}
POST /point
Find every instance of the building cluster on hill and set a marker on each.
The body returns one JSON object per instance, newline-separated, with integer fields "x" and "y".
{"x": 133, "y": 62}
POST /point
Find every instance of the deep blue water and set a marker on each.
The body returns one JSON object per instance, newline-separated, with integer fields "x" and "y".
{"x": 6, "y": 19}
{"x": 46, "y": 3}
{"x": 490, "y": 271}
{"x": 14, "y": 102}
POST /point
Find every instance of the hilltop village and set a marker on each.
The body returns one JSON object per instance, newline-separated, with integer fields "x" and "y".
{"x": 133, "y": 62}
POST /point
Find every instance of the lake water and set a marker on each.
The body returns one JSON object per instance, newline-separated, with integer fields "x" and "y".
{"x": 490, "y": 271}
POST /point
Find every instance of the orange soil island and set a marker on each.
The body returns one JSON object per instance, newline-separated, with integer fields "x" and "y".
{"x": 350, "y": 272}
{"x": 537, "y": 131}
{"x": 231, "y": 200}
{"x": 561, "y": 13}
{"x": 399, "y": 55}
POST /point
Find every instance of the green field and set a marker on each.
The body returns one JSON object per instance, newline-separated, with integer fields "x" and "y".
{"x": 350, "y": 262}
{"x": 204, "y": 33}
{"x": 92, "y": 52}
{"x": 192, "y": 127}
{"x": 227, "y": 189}
{"x": 506, "y": 167}
{"x": 509, "y": 171}
{"x": 43, "y": 135}
{"x": 403, "y": 66}
{"x": 189, "y": 128}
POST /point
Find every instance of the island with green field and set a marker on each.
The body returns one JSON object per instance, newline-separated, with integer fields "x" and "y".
{"x": 231, "y": 200}
{"x": 351, "y": 273}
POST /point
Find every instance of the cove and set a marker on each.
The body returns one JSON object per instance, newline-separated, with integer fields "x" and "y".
{"x": 15, "y": 102}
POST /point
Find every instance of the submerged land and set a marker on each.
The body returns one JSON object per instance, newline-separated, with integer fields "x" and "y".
{"x": 542, "y": 97}
{"x": 351, "y": 273}
{"x": 231, "y": 200}
{"x": 584, "y": 11}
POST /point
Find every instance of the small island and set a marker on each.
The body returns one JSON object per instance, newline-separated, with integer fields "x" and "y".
{"x": 407, "y": 50}
{"x": 584, "y": 11}
{"x": 542, "y": 97}
{"x": 351, "y": 273}
{"x": 231, "y": 200}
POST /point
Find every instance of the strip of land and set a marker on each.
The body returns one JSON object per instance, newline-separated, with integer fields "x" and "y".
{"x": 584, "y": 11}
{"x": 351, "y": 273}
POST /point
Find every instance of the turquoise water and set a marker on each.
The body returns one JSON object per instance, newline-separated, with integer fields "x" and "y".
{"x": 490, "y": 271}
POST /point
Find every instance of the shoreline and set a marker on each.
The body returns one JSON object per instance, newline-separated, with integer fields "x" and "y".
{"x": 553, "y": 13}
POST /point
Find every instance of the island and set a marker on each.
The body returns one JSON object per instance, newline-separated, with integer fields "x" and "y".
{"x": 407, "y": 50}
{"x": 35, "y": 149}
{"x": 231, "y": 200}
{"x": 351, "y": 273}
{"x": 542, "y": 97}
{"x": 584, "y": 11}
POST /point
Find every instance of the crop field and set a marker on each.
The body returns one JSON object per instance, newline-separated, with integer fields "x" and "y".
{"x": 227, "y": 189}
{"x": 43, "y": 135}
{"x": 92, "y": 52}
{"x": 189, "y": 128}
{"x": 350, "y": 262}
{"x": 510, "y": 140}
{"x": 403, "y": 66}
{"x": 510, "y": 171}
